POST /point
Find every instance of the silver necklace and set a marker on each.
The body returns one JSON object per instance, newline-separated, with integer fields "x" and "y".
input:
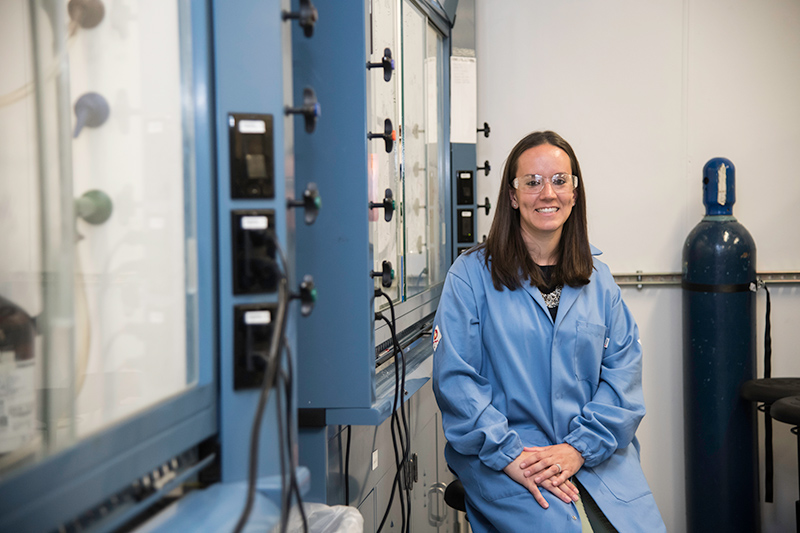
{"x": 551, "y": 299}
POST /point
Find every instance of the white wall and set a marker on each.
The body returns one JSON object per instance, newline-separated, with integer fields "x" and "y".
{"x": 646, "y": 93}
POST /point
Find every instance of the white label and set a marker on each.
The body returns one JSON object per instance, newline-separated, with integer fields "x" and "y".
{"x": 252, "y": 126}
{"x": 464, "y": 175}
{"x": 437, "y": 336}
{"x": 722, "y": 184}
{"x": 257, "y": 317}
{"x": 374, "y": 459}
{"x": 255, "y": 222}
{"x": 466, "y": 214}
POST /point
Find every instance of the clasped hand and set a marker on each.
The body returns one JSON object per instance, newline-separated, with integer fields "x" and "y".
{"x": 549, "y": 467}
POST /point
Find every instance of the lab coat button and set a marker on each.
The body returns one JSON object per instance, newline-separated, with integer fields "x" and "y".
{"x": 574, "y": 517}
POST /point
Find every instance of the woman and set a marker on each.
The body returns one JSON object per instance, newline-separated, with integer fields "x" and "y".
{"x": 537, "y": 363}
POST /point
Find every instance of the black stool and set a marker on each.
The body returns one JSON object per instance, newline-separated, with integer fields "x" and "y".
{"x": 454, "y": 495}
{"x": 767, "y": 391}
{"x": 788, "y": 410}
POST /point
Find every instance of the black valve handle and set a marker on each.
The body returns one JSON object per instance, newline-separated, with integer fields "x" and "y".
{"x": 387, "y": 205}
{"x": 388, "y": 135}
{"x": 486, "y": 168}
{"x": 307, "y": 16}
{"x": 487, "y": 205}
{"x": 386, "y": 274}
{"x": 311, "y": 203}
{"x": 485, "y": 129}
{"x": 307, "y": 294}
{"x": 310, "y": 109}
{"x": 386, "y": 63}
{"x": 86, "y": 13}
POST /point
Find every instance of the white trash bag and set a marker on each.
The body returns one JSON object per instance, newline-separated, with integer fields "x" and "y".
{"x": 327, "y": 519}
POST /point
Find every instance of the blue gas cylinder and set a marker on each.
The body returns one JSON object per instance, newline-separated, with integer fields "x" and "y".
{"x": 719, "y": 355}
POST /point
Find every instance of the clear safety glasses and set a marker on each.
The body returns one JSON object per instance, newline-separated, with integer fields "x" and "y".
{"x": 534, "y": 183}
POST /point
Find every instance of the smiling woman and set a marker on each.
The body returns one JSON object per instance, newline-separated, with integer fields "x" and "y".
{"x": 540, "y": 388}
{"x": 544, "y": 204}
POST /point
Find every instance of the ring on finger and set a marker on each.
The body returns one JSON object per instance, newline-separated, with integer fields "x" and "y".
{"x": 559, "y": 467}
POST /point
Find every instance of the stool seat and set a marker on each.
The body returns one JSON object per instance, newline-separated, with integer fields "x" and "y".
{"x": 787, "y": 410}
{"x": 770, "y": 390}
{"x": 454, "y": 495}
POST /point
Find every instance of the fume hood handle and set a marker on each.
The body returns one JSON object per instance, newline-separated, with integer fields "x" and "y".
{"x": 311, "y": 203}
{"x": 485, "y": 129}
{"x": 386, "y": 63}
{"x": 310, "y": 109}
{"x": 388, "y": 135}
{"x": 86, "y": 13}
{"x": 486, "y": 168}
{"x": 386, "y": 274}
{"x": 307, "y": 295}
{"x": 387, "y": 205}
{"x": 486, "y": 205}
{"x": 307, "y": 16}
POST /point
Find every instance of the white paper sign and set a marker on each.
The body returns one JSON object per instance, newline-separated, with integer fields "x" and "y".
{"x": 463, "y": 100}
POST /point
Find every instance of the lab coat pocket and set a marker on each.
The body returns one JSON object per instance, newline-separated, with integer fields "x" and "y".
{"x": 589, "y": 345}
{"x": 494, "y": 485}
{"x": 622, "y": 475}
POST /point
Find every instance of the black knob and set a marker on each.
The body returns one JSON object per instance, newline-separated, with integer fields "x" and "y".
{"x": 307, "y": 16}
{"x": 386, "y": 274}
{"x": 91, "y": 110}
{"x": 86, "y": 13}
{"x": 486, "y": 168}
{"x": 485, "y": 129}
{"x": 388, "y": 135}
{"x": 386, "y": 63}
{"x": 311, "y": 203}
{"x": 387, "y": 205}
{"x": 307, "y": 294}
{"x": 487, "y": 205}
{"x": 310, "y": 109}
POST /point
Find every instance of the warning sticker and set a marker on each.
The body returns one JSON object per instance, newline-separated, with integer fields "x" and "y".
{"x": 437, "y": 336}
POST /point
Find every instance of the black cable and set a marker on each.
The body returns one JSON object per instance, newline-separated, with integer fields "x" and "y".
{"x": 379, "y": 316}
{"x": 272, "y": 365}
{"x": 406, "y": 424}
{"x": 294, "y": 486}
{"x": 267, "y": 384}
{"x": 400, "y": 460}
{"x": 347, "y": 468}
{"x": 285, "y": 496}
{"x": 768, "y": 338}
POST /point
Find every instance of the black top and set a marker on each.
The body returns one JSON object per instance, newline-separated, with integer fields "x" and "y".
{"x": 547, "y": 272}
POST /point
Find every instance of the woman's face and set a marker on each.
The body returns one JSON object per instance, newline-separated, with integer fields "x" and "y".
{"x": 543, "y": 215}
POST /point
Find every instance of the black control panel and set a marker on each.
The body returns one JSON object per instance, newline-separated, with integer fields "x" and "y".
{"x": 465, "y": 187}
{"x": 252, "y": 331}
{"x": 255, "y": 269}
{"x": 252, "y": 155}
{"x": 466, "y": 225}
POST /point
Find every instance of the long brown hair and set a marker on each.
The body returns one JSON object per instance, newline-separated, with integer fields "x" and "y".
{"x": 506, "y": 256}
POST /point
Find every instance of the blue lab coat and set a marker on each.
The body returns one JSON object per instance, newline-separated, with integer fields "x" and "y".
{"x": 506, "y": 376}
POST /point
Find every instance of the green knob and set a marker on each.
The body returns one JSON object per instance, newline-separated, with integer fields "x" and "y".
{"x": 95, "y": 207}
